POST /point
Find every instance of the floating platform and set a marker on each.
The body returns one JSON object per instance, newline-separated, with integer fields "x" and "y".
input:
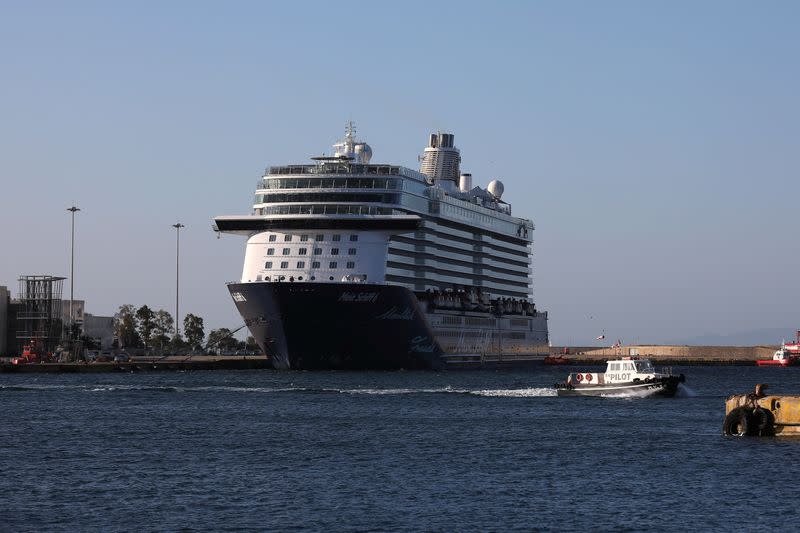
{"x": 146, "y": 364}
{"x": 756, "y": 414}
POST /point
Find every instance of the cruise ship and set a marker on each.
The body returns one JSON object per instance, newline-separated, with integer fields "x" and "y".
{"x": 352, "y": 265}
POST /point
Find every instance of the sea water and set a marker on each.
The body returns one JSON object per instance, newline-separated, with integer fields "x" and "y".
{"x": 390, "y": 451}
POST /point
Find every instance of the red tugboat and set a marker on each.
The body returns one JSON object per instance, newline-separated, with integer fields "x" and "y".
{"x": 788, "y": 355}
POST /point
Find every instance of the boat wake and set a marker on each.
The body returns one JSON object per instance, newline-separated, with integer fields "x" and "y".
{"x": 517, "y": 393}
{"x": 630, "y": 394}
{"x": 530, "y": 392}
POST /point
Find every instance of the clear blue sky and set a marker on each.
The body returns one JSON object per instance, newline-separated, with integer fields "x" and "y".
{"x": 654, "y": 144}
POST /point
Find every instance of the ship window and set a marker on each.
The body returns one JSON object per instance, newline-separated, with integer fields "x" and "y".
{"x": 303, "y": 238}
{"x": 270, "y": 251}
{"x": 301, "y": 264}
{"x": 320, "y": 238}
{"x": 272, "y": 238}
{"x": 317, "y": 251}
{"x": 284, "y": 264}
{"x": 286, "y": 251}
{"x": 353, "y": 238}
{"x": 313, "y": 278}
{"x": 351, "y": 264}
{"x": 351, "y": 251}
{"x": 334, "y": 251}
{"x": 302, "y": 251}
{"x": 315, "y": 264}
{"x": 268, "y": 264}
{"x": 337, "y": 238}
{"x": 332, "y": 264}
{"x": 287, "y": 238}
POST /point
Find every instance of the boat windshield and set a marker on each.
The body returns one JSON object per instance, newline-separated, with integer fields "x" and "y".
{"x": 644, "y": 367}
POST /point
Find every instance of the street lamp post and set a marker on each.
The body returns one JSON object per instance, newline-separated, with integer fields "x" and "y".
{"x": 177, "y": 227}
{"x": 72, "y": 210}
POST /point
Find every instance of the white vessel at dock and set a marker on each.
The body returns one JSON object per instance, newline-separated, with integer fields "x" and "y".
{"x": 352, "y": 264}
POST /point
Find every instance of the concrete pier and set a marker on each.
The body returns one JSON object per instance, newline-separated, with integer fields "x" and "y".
{"x": 669, "y": 354}
{"x": 147, "y": 364}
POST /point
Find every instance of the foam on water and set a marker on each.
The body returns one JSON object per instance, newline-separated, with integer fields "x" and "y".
{"x": 517, "y": 393}
{"x": 529, "y": 392}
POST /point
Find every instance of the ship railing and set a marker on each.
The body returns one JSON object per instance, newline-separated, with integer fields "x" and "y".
{"x": 337, "y": 168}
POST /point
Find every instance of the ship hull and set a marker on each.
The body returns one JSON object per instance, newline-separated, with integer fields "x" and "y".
{"x": 337, "y": 326}
{"x": 343, "y": 326}
{"x": 665, "y": 387}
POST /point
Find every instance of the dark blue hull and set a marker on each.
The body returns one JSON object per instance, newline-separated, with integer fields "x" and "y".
{"x": 338, "y": 326}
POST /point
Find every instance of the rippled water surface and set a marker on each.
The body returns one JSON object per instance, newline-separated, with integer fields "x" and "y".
{"x": 401, "y": 451}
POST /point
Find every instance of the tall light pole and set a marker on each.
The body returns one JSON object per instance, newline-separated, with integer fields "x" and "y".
{"x": 72, "y": 210}
{"x": 177, "y": 227}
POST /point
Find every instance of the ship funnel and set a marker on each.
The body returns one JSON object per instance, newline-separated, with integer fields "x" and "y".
{"x": 465, "y": 182}
{"x": 441, "y": 159}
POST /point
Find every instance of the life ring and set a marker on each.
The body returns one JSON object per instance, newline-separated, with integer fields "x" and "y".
{"x": 588, "y": 377}
{"x": 579, "y": 377}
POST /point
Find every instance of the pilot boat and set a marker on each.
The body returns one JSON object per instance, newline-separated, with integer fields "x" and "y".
{"x": 623, "y": 377}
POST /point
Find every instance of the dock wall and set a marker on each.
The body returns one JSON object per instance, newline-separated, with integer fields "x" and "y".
{"x": 674, "y": 354}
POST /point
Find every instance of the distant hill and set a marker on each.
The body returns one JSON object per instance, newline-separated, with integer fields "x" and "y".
{"x": 766, "y": 336}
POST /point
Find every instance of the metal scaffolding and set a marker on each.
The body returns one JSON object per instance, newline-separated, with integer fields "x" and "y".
{"x": 39, "y": 316}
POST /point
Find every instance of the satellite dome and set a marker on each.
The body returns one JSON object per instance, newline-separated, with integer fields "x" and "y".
{"x": 363, "y": 153}
{"x": 496, "y": 189}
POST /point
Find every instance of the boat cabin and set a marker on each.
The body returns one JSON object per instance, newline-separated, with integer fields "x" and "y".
{"x": 628, "y": 369}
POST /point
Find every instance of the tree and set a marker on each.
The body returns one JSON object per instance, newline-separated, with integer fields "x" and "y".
{"x": 145, "y": 320}
{"x": 177, "y": 342}
{"x": 221, "y": 339}
{"x": 125, "y": 326}
{"x": 90, "y": 343}
{"x": 162, "y": 327}
{"x": 251, "y": 345}
{"x": 193, "y": 330}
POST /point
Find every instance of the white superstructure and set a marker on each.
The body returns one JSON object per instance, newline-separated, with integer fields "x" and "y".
{"x": 464, "y": 238}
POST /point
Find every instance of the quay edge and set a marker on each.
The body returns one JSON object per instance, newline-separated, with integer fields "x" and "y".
{"x": 144, "y": 364}
{"x": 668, "y": 354}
